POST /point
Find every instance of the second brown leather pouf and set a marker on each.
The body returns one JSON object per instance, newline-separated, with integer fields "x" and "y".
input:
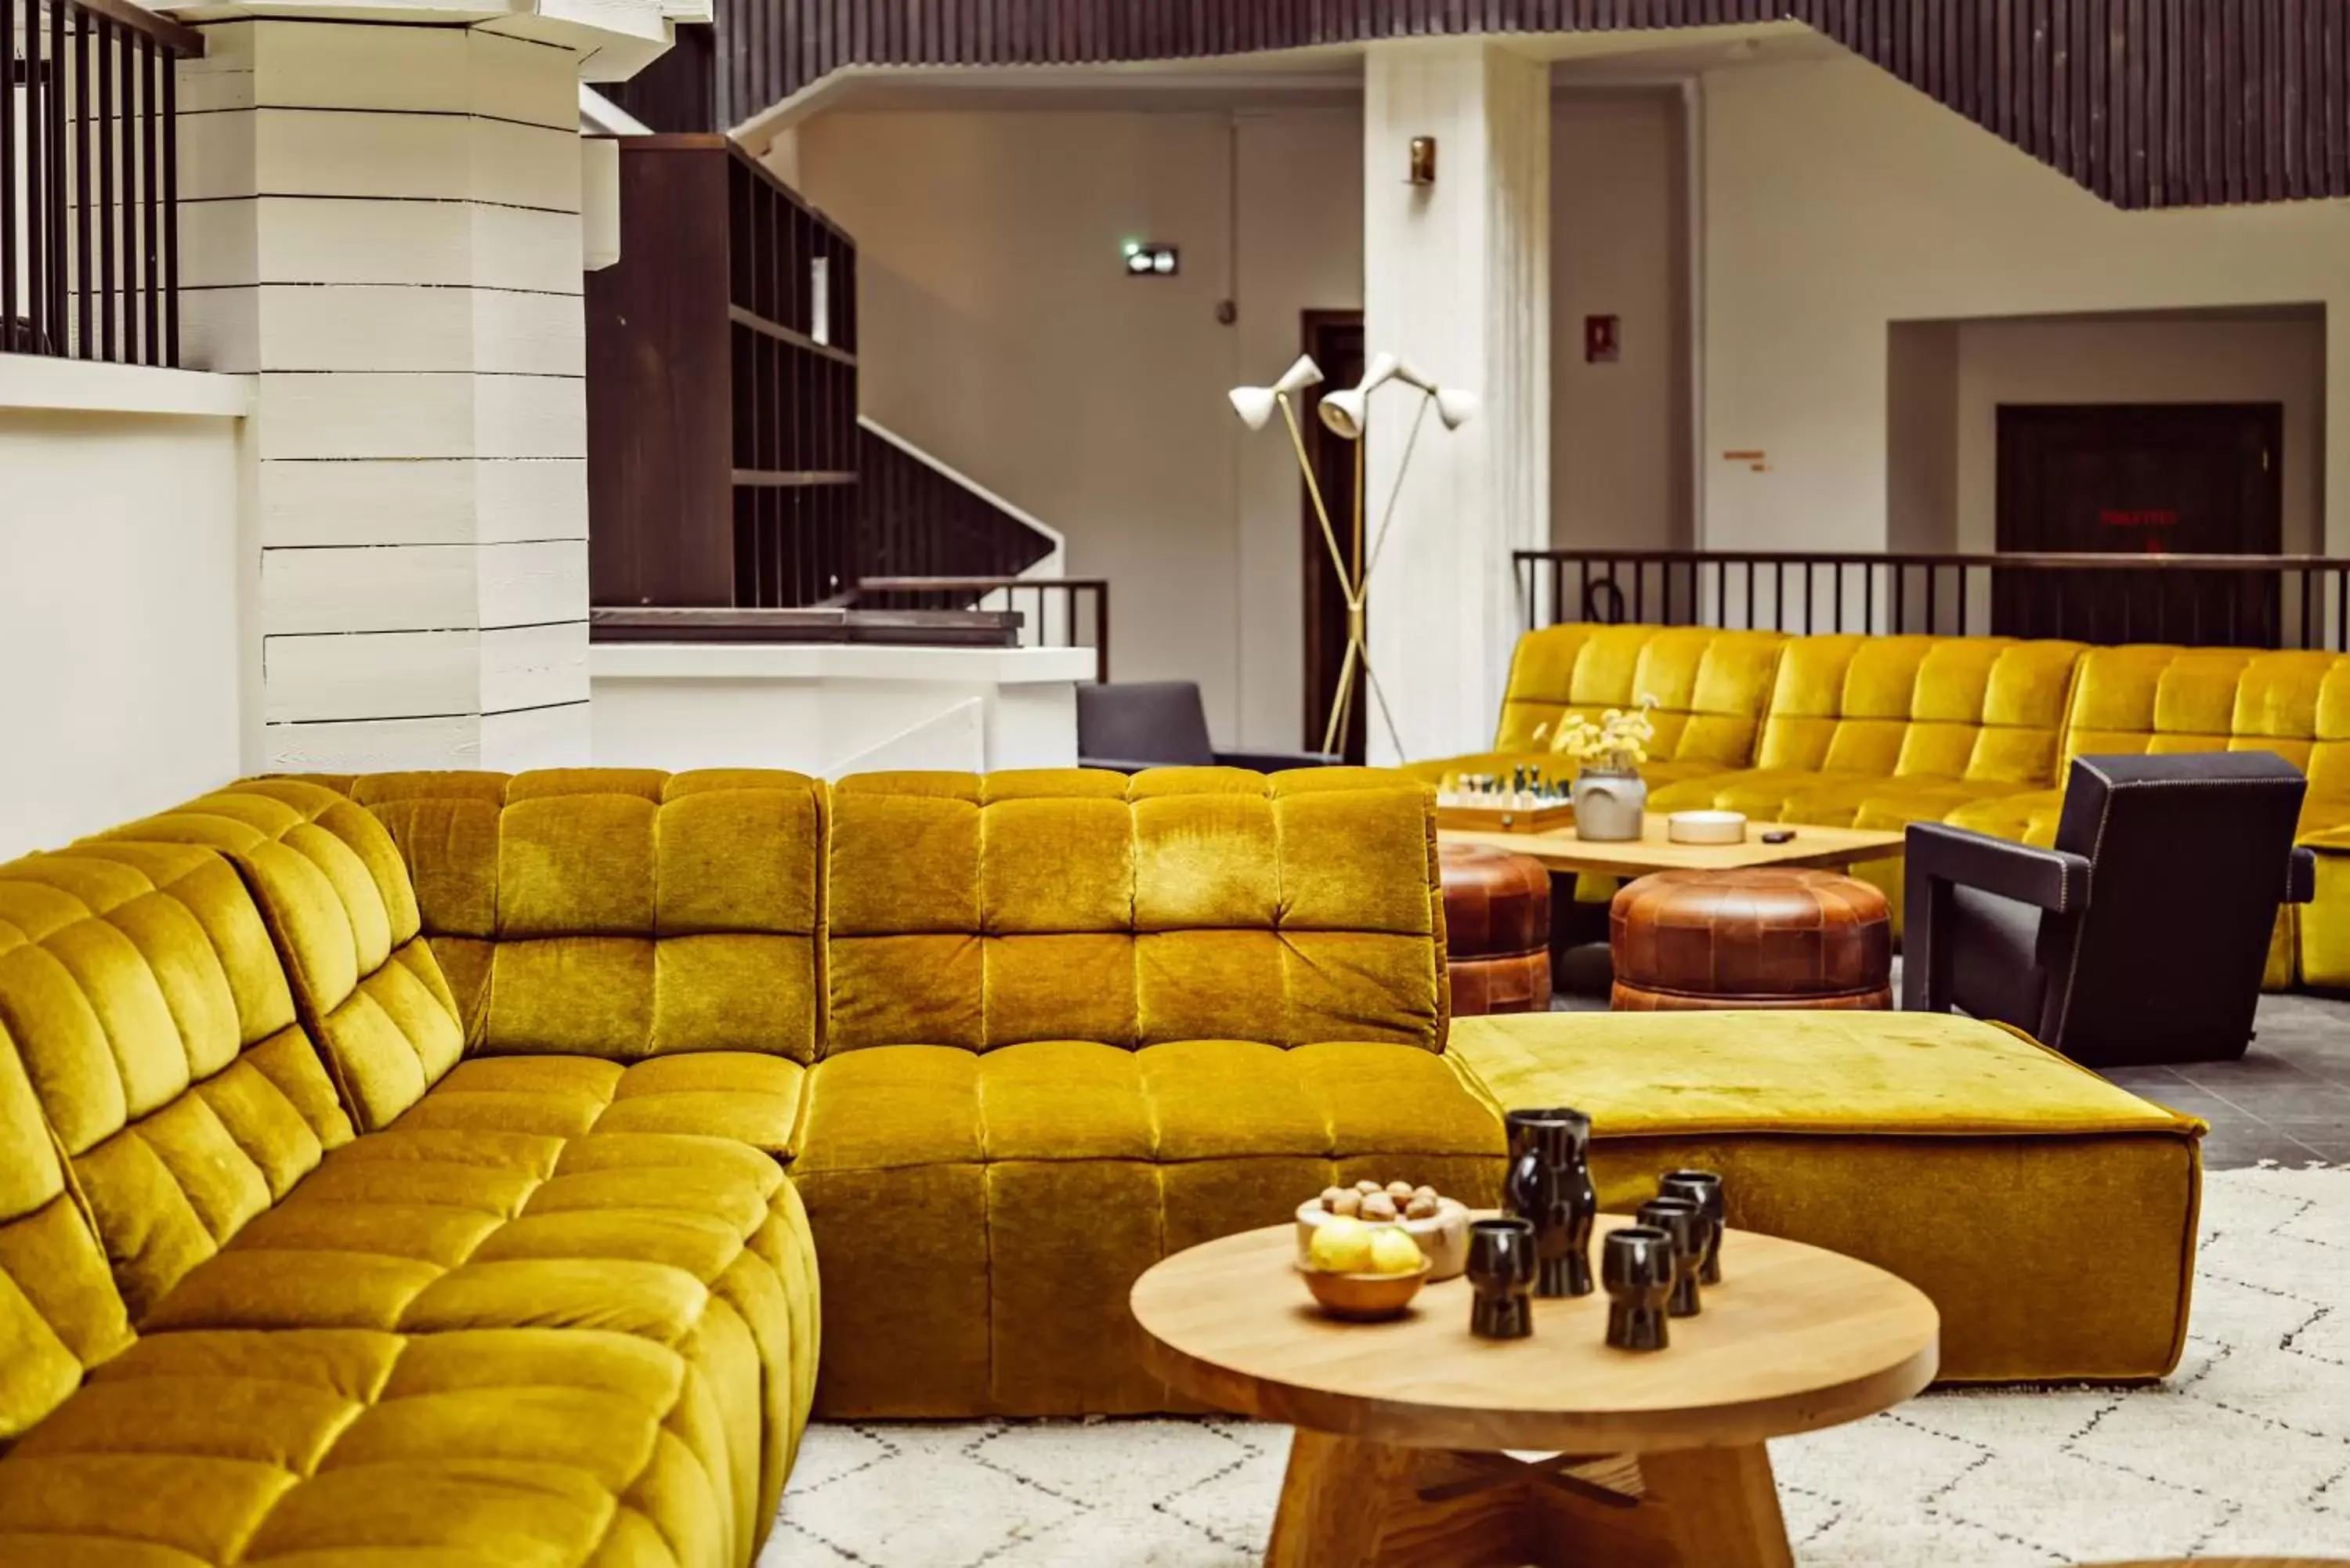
{"x": 1496, "y": 930}
{"x": 1698, "y": 940}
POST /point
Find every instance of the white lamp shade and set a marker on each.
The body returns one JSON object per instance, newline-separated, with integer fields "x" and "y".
{"x": 1255, "y": 405}
{"x": 1382, "y": 370}
{"x": 1410, "y": 374}
{"x": 1456, "y": 405}
{"x": 1346, "y": 414}
{"x": 1298, "y": 377}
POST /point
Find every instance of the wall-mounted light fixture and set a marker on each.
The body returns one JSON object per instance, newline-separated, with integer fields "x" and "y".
{"x": 1144, "y": 259}
{"x": 1423, "y": 161}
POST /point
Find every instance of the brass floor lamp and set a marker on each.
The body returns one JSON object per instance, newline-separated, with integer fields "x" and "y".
{"x": 1347, "y": 415}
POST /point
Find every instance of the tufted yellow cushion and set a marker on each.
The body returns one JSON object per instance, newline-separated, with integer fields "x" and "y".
{"x": 552, "y": 1448}
{"x": 1183, "y": 903}
{"x": 59, "y": 1312}
{"x": 988, "y": 1212}
{"x": 340, "y": 907}
{"x": 619, "y": 913}
{"x": 1950, "y": 1152}
{"x": 140, "y": 988}
{"x": 1709, "y": 687}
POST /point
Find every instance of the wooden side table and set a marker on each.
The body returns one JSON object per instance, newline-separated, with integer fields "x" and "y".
{"x": 1398, "y": 1459}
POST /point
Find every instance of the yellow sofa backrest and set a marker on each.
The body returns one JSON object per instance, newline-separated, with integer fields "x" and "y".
{"x": 1987, "y": 710}
{"x": 2152, "y": 698}
{"x": 1710, "y": 686}
{"x": 1183, "y": 904}
{"x": 615, "y": 913}
{"x": 142, "y": 995}
{"x": 59, "y": 1312}
{"x": 342, "y": 913}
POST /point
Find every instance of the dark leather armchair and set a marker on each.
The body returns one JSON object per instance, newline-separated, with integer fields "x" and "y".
{"x": 2142, "y": 934}
{"x": 1137, "y": 724}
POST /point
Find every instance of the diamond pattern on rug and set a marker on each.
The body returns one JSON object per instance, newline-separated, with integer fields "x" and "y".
{"x": 2244, "y": 1450}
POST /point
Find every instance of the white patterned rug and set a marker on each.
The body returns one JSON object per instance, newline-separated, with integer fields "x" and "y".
{"x": 2244, "y": 1451}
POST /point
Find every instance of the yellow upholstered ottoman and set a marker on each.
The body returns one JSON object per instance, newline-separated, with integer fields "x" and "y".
{"x": 2050, "y": 1215}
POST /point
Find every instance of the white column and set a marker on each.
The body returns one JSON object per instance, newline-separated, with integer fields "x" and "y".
{"x": 383, "y": 224}
{"x": 1457, "y": 280}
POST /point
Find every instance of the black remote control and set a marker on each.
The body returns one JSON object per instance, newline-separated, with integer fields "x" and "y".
{"x": 1780, "y": 836}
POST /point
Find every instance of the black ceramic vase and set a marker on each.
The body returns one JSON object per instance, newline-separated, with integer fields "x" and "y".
{"x": 1683, "y": 1219}
{"x": 1638, "y": 1264}
{"x": 1705, "y": 1187}
{"x": 1549, "y": 1184}
{"x": 1501, "y": 1279}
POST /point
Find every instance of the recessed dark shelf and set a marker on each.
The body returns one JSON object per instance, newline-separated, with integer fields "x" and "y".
{"x": 723, "y": 443}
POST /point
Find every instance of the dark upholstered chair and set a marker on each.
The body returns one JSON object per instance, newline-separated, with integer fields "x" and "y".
{"x": 2142, "y": 934}
{"x": 1137, "y": 724}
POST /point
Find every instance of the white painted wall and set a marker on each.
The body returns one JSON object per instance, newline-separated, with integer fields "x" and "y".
{"x": 122, "y": 666}
{"x": 1000, "y": 334}
{"x": 1620, "y": 432}
{"x": 1838, "y": 201}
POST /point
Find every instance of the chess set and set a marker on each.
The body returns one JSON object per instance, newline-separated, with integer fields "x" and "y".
{"x": 1523, "y": 801}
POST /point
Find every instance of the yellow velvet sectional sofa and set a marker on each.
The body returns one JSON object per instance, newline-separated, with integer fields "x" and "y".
{"x": 433, "y": 1170}
{"x": 1850, "y": 730}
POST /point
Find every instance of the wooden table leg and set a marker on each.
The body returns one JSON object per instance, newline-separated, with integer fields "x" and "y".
{"x": 1720, "y": 1505}
{"x": 1347, "y": 1503}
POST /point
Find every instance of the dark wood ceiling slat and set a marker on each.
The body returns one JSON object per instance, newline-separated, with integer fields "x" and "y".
{"x": 2159, "y": 103}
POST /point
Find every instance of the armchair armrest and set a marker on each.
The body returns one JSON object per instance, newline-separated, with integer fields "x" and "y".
{"x": 2051, "y": 879}
{"x": 2301, "y": 877}
{"x": 1118, "y": 764}
{"x": 1274, "y": 761}
{"x": 1941, "y": 857}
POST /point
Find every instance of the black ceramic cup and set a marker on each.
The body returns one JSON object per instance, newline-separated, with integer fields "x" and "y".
{"x": 1637, "y": 1266}
{"x": 1549, "y": 1182}
{"x": 1706, "y": 1187}
{"x": 1501, "y": 1278}
{"x": 1683, "y": 1219}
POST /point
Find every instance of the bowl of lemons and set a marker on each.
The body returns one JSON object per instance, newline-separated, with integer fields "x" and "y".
{"x": 1438, "y": 1225}
{"x": 1362, "y": 1271}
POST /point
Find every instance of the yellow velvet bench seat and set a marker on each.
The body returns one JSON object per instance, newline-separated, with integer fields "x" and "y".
{"x": 2050, "y": 1215}
{"x": 529, "y": 1449}
{"x": 988, "y": 1213}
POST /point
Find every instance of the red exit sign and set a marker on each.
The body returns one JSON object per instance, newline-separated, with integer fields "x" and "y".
{"x": 2113, "y": 517}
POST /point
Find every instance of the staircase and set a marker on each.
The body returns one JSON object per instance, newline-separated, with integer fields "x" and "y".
{"x": 2149, "y": 105}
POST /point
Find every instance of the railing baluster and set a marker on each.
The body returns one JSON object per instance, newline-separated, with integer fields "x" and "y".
{"x": 134, "y": 171}
{"x": 106, "y": 233}
{"x": 37, "y": 196}
{"x": 150, "y": 230}
{"x": 1807, "y": 599}
{"x": 85, "y": 325}
{"x": 8, "y": 181}
{"x": 1900, "y": 596}
{"x": 1868, "y": 598}
{"x": 2303, "y": 629}
{"x": 170, "y": 169}
{"x": 54, "y": 139}
{"x": 1962, "y": 602}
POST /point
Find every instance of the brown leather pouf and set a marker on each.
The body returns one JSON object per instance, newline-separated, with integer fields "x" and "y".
{"x": 1496, "y": 930}
{"x": 1687, "y": 940}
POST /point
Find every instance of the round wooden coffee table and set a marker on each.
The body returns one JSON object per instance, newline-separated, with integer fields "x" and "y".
{"x": 1659, "y": 1459}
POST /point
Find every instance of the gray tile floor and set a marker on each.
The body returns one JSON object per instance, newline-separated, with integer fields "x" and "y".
{"x": 2287, "y": 1100}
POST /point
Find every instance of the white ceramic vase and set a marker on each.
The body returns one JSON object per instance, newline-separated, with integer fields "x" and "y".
{"x": 1608, "y": 805}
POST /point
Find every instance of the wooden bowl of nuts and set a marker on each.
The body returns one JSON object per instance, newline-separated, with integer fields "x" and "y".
{"x": 1439, "y": 1224}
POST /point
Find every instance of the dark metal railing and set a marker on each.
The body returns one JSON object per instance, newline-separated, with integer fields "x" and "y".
{"x": 1061, "y": 612}
{"x": 90, "y": 245}
{"x": 2228, "y": 601}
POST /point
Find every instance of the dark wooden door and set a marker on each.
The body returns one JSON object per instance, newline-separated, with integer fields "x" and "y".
{"x": 2171, "y": 479}
{"x": 1335, "y": 339}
